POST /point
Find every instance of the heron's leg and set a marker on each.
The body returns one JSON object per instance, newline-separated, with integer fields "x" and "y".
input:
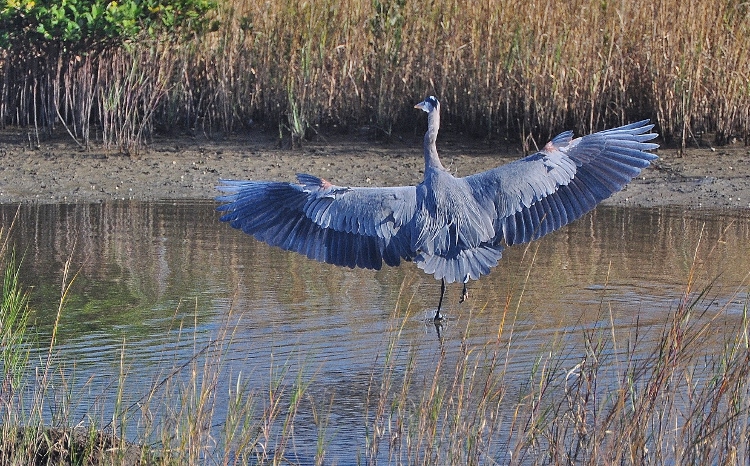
{"x": 439, "y": 316}
{"x": 464, "y": 294}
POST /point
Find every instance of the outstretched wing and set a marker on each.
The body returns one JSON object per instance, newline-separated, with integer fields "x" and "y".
{"x": 353, "y": 227}
{"x": 567, "y": 178}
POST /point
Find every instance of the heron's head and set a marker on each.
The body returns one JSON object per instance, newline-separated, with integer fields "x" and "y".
{"x": 429, "y": 104}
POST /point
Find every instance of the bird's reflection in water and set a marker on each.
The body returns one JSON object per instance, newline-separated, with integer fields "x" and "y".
{"x": 438, "y": 328}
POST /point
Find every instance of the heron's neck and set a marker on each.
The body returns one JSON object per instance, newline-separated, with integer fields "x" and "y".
{"x": 431, "y": 159}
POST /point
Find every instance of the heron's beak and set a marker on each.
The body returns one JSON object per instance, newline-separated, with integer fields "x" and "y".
{"x": 422, "y": 106}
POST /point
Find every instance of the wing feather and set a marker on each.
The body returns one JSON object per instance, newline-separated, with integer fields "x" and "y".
{"x": 569, "y": 177}
{"x": 352, "y": 227}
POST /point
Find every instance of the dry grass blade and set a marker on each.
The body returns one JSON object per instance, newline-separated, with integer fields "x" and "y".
{"x": 499, "y": 70}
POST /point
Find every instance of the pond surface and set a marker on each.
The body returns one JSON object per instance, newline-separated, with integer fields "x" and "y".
{"x": 158, "y": 283}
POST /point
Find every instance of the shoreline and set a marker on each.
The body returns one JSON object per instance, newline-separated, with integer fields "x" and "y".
{"x": 190, "y": 168}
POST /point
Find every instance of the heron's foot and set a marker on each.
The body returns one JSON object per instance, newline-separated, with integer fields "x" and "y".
{"x": 464, "y": 295}
{"x": 440, "y": 317}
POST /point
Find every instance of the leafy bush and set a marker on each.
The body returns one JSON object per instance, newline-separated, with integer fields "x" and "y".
{"x": 56, "y": 60}
{"x": 88, "y": 25}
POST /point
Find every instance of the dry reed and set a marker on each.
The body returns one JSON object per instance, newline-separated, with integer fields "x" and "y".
{"x": 499, "y": 70}
{"x": 622, "y": 396}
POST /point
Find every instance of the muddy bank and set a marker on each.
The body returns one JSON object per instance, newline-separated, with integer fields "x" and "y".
{"x": 189, "y": 168}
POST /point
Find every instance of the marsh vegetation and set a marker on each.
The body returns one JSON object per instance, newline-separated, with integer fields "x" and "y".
{"x": 118, "y": 73}
{"x": 540, "y": 367}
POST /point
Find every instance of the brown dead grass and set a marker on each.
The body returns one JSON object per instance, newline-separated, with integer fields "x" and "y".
{"x": 499, "y": 69}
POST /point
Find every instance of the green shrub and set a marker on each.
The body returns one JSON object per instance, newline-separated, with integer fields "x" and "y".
{"x": 88, "y": 25}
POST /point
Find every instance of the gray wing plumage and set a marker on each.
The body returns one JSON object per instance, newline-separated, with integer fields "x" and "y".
{"x": 540, "y": 193}
{"x": 352, "y": 227}
{"x": 453, "y": 228}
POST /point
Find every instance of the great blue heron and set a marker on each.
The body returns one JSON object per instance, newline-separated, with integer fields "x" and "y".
{"x": 452, "y": 228}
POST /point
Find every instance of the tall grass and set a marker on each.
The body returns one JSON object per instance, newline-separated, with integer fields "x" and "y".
{"x": 621, "y": 395}
{"x": 499, "y": 69}
{"x": 621, "y": 398}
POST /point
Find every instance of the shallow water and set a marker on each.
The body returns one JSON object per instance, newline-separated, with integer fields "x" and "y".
{"x": 156, "y": 283}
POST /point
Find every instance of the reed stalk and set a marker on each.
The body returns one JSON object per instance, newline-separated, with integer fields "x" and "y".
{"x": 500, "y": 71}
{"x": 603, "y": 394}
